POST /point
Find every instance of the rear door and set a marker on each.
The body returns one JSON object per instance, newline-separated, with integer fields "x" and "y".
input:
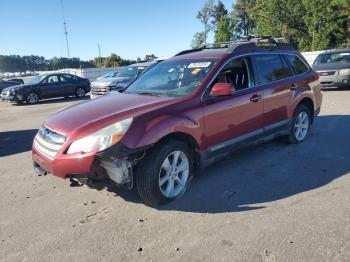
{"x": 232, "y": 120}
{"x": 67, "y": 85}
{"x": 50, "y": 86}
{"x": 276, "y": 79}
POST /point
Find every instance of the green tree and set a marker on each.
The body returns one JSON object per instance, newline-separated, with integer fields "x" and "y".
{"x": 149, "y": 57}
{"x": 198, "y": 40}
{"x": 219, "y": 10}
{"x": 326, "y": 24}
{"x": 242, "y": 14}
{"x": 113, "y": 61}
{"x": 205, "y": 15}
{"x": 223, "y": 32}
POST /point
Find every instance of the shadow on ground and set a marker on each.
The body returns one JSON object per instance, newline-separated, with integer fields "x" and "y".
{"x": 253, "y": 177}
{"x": 15, "y": 142}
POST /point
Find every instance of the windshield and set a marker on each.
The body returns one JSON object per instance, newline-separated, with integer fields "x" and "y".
{"x": 35, "y": 80}
{"x": 173, "y": 78}
{"x": 341, "y": 57}
{"x": 111, "y": 74}
{"x": 130, "y": 71}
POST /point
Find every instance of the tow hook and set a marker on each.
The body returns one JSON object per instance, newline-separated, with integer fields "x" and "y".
{"x": 81, "y": 181}
{"x": 38, "y": 170}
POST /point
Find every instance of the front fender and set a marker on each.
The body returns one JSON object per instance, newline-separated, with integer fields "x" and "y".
{"x": 156, "y": 129}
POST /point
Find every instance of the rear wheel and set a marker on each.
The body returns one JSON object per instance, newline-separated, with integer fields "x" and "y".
{"x": 300, "y": 125}
{"x": 32, "y": 98}
{"x": 165, "y": 173}
{"x": 80, "y": 92}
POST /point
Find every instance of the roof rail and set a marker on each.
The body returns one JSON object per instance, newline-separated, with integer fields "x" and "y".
{"x": 248, "y": 43}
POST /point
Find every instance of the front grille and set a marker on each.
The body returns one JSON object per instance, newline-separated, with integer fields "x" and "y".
{"x": 328, "y": 73}
{"x": 99, "y": 90}
{"x": 48, "y": 142}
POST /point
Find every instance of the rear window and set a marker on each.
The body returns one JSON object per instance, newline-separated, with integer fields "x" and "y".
{"x": 271, "y": 68}
{"x": 295, "y": 62}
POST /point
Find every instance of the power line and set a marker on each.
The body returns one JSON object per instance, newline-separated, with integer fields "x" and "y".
{"x": 65, "y": 28}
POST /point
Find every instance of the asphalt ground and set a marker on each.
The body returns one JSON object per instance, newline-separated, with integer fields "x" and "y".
{"x": 273, "y": 202}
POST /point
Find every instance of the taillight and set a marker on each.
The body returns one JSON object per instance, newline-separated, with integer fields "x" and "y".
{"x": 317, "y": 76}
{"x": 87, "y": 81}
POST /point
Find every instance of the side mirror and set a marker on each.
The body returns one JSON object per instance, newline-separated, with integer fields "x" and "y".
{"x": 222, "y": 89}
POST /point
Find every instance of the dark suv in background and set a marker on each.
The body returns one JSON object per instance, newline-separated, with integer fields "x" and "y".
{"x": 182, "y": 115}
{"x": 47, "y": 86}
{"x": 334, "y": 68}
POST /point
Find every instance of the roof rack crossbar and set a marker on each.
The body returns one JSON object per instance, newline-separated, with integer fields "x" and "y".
{"x": 249, "y": 43}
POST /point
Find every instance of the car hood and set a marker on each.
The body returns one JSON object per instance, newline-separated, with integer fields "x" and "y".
{"x": 89, "y": 116}
{"x": 15, "y": 87}
{"x": 331, "y": 66}
{"x": 111, "y": 79}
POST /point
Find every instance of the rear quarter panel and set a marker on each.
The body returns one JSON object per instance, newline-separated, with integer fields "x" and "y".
{"x": 309, "y": 87}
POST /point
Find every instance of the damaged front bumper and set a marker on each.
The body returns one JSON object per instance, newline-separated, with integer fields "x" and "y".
{"x": 115, "y": 163}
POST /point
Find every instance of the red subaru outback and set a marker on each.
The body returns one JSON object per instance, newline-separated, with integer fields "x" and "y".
{"x": 182, "y": 115}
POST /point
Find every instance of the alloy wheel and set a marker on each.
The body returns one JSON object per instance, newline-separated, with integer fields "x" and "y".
{"x": 32, "y": 98}
{"x": 301, "y": 126}
{"x": 80, "y": 92}
{"x": 173, "y": 174}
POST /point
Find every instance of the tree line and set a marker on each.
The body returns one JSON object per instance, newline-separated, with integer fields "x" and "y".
{"x": 16, "y": 63}
{"x": 309, "y": 25}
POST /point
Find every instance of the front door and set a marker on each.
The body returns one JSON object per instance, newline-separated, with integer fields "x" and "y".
{"x": 236, "y": 118}
{"x": 50, "y": 87}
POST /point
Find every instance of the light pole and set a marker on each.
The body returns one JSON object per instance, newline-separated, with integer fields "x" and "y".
{"x": 99, "y": 55}
{"x": 65, "y": 28}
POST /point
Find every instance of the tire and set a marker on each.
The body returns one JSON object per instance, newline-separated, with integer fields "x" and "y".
{"x": 300, "y": 125}
{"x": 79, "y": 92}
{"x": 152, "y": 179}
{"x": 32, "y": 98}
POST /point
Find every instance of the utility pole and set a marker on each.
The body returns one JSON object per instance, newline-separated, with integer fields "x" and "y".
{"x": 65, "y": 28}
{"x": 99, "y": 55}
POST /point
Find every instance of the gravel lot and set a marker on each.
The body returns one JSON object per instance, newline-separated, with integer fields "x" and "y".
{"x": 274, "y": 202}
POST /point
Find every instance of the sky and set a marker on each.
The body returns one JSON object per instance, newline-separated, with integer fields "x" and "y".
{"x": 129, "y": 28}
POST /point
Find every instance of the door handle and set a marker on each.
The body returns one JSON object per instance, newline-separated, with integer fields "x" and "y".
{"x": 255, "y": 98}
{"x": 293, "y": 86}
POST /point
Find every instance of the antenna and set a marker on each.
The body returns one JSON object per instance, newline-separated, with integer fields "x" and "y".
{"x": 65, "y": 28}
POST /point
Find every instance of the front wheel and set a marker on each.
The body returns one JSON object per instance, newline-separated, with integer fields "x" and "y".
{"x": 32, "y": 98}
{"x": 300, "y": 126}
{"x": 165, "y": 173}
{"x": 80, "y": 92}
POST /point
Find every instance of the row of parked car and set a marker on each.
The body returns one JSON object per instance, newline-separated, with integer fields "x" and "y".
{"x": 65, "y": 85}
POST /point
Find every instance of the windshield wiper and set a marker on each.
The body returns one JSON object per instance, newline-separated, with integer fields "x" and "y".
{"x": 149, "y": 94}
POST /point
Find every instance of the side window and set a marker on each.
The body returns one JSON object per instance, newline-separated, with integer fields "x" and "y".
{"x": 298, "y": 66}
{"x": 238, "y": 72}
{"x": 66, "y": 78}
{"x": 271, "y": 68}
{"x": 51, "y": 79}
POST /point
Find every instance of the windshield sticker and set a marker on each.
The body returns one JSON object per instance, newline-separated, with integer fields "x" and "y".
{"x": 196, "y": 71}
{"x": 199, "y": 65}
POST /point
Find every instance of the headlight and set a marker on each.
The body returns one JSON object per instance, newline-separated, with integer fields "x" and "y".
{"x": 344, "y": 71}
{"x": 101, "y": 139}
